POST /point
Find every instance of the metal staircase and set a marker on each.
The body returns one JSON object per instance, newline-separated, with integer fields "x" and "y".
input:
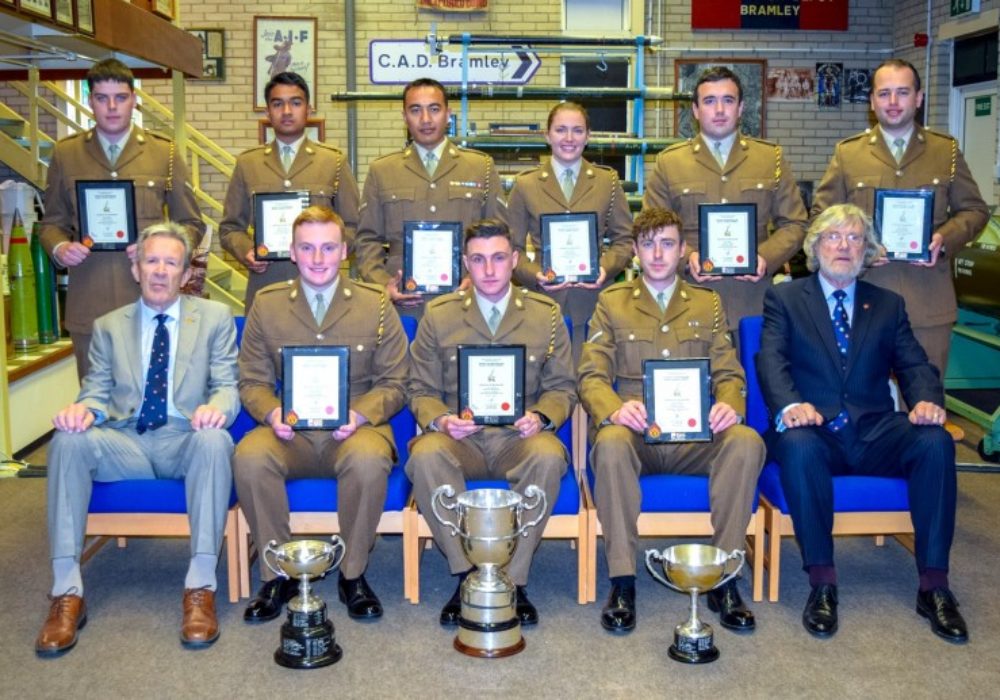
{"x": 26, "y": 149}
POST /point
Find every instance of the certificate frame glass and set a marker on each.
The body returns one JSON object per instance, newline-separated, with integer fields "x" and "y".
{"x": 106, "y": 229}
{"x": 473, "y": 362}
{"x": 64, "y": 13}
{"x": 890, "y": 206}
{"x": 85, "y": 17}
{"x": 691, "y": 379}
{"x": 40, "y": 8}
{"x": 330, "y": 362}
{"x": 418, "y": 282}
{"x": 722, "y": 252}
{"x": 268, "y": 244}
{"x": 570, "y": 225}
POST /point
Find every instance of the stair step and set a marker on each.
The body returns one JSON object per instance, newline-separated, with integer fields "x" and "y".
{"x": 44, "y": 147}
{"x": 12, "y": 127}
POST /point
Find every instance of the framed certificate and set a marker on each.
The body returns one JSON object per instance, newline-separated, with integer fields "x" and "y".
{"x": 315, "y": 386}
{"x": 727, "y": 239}
{"x": 431, "y": 256}
{"x": 570, "y": 247}
{"x": 491, "y": 383}
{"x": 903, "y": 221}
{"x": 64, "y": 13}
{"x": 677, "y": 395}
{"x": 106, "y": 210}
{"x": 85, "y": 16}
{"x": 274, "y": 214}
{"x": 42, "y": 8}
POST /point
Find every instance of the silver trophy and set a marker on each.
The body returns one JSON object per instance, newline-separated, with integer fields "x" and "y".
{"x": 694, "y": 569}
{"x": 307, "y": 636}
{"x": 489, "y": 523}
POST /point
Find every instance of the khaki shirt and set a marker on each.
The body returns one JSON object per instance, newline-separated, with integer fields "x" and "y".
{"x": 104, "y": 281}
{"x": 932, "y": 161}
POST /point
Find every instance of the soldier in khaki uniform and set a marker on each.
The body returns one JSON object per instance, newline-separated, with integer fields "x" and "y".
{"x": 459, "y": 185}
{"x": 592, "y": 188}
{"x": 453, "y": 448}
{"x": 359, "y": 454}
{"x": 316, "y": 168}
{"x": 927, "y": 161}
{"x": 101, "y": 281}
{"x": 659, "y": 316}
{"x": 723, "y": 166}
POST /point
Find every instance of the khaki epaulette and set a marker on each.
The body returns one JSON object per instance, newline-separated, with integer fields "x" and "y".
{"x": 158, "y": 135}
{"x": 325, "y": 145}
{"x": 276, "y": 287}
{"x": 448, "y": 298}
{"x": 370, "y": 286}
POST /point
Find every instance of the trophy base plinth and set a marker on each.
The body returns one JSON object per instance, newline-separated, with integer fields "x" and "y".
{"x": 489, "y": 640}
{"x": 307, "y": 646}
{"x": 693, "y": 650}
{"x": 331, "y": 657}
{"x": 489, "y": 653}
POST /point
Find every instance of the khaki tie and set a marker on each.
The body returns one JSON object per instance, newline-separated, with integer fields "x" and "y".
{"x": 113, "y": 153}
{"x": 661, "y": 301}
{"x": 286, "y": 158}
{"x": 319, "y": 308}
{"x": 494, "y": 320}
{"x": 568, "y": 183}
{"x": 898, "y": 146}
{"x": 430, "y": 162}
{"x": 718, "y": 153}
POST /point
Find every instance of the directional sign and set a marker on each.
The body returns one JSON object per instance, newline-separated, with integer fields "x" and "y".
{"x": 399, "y": 62}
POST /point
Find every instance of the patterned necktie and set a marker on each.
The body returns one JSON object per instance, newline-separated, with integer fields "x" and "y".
{"x": 319, "y": 308}
{"x": 494, "y": 320}
{"x": 842, "y": 332}
{"x": 286, "y": 158}
{"x": 154, "y": 400}
{"x": 898, "y": 146}
{"x": 113, "y": 153}
{"x": 430, "y": 162}
{"x": 661, "y": 301}
{"x": 568, "y": 183}
{"x": 718, "y": 153}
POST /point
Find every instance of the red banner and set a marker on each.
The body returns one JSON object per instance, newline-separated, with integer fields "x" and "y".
{"x": 452, "y": 5}
{"x": 769, "y": 14}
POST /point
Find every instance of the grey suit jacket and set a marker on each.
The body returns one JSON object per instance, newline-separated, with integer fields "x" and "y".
{"x": 204, "y": 369}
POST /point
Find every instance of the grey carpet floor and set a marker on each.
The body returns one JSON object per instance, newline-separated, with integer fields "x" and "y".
{"x": 130, "y": 646}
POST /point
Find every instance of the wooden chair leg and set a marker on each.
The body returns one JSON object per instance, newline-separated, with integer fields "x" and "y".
{"x": 757, "y": 552}
{"x": 411, "y": 555}
{"x": 243, "y": 546}
{"x": 233, "y": 555}
{"x": 773, "y": 553}
{"x": 582, "y": 564}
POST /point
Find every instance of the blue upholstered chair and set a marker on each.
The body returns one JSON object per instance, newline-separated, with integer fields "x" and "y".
{"x": 863, "y": 505}
{"x": 312, "y": 503}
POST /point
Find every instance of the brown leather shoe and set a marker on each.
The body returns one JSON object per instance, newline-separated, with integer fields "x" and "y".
{"x": 67, "y": 615}
{"x": 200, "y": 627}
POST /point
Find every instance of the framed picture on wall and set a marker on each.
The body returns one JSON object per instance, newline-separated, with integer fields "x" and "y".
{"x": 85, "y": 16}
{"x": 164, "y": 8}
{"x": 283, "y": 44}
{"x": 213, "y": 52}
{"x": 42, "y": 8}
{"x": 64, "y": 13}
{"x": 315, "y": 130}
{"x": 752, "y": 74}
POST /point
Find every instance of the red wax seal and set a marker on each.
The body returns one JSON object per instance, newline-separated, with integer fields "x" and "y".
{"x": 120, "y": 234}
{"x": 913, "y": 245}
{"x": 445, "y": 276}
{"x": 329, "y": 410}
{"x": 582, "y": 267}
{"x": 692, "y": 422}
{"x": 505, "y": 406}
{"x": 739, "y": 258}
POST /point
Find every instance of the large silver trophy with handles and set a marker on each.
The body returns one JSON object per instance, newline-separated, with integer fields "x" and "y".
{"x": 694, "y": 569}
{"x": 489, "y": 523}
{"x": 307, "y": 639}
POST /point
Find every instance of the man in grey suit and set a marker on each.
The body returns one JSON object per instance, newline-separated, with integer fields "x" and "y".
{"x": 155, "y": 404}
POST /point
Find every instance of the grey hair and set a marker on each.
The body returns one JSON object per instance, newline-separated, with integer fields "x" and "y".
{"x": 166, "y": 229}
{"x": 837, "y": 216}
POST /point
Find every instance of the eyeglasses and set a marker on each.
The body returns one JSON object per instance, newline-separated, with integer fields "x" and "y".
{"x": 836, "y": 238}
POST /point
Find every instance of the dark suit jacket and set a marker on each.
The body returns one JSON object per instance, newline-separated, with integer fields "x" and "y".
{"x": 799, "y": 362}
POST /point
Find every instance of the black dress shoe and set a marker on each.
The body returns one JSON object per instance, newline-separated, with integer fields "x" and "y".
{"x": 360, "y": 599}
{"x": 271, "y": 597}
{"x": 733, "y": 614}
{"x": 526, "y": 611}
{"x": 820, "y": 615}
{"x": 452, "y": 610}
{"x": 618, "y": 614}
{"x": 941, "y": 610}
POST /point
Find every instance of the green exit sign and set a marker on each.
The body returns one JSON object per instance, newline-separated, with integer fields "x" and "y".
{"x": 964, "y": 7}
{"x": 984, "y": 106}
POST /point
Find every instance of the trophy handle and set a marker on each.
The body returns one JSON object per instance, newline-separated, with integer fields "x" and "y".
{"x": 269, "y": 548}
{"x": 654, "y": 555}
{"x": 341, "y": 547}
{"x": 735, "y": 554}
{"x": 532, "y": 492}
{"x": 440, "y": 493}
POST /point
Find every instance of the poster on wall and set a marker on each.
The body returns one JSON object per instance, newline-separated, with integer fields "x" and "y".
{"x": 283, "y": 44}
{"x": 829, "y": 85}
{"x": 751, "y": 73}
{"x": 790, "y": 84}
{"x": 453, "y": 5}
{"x": 857, "y": 85}
{"x": 831, "y": 15}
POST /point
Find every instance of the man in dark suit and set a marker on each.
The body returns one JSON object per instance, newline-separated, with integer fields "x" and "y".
{"x": 155, "y": 404}
{"x": 829, "y": 346}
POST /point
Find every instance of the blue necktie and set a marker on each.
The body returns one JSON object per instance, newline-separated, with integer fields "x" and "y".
{"x": 154, "y": 399}
{"x": 842, "y": 332}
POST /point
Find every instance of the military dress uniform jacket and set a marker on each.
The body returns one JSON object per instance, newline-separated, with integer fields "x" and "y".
{"x": 319, "y": 169}
{"x": 360, "y": 316}
{"x": 538, "y": 191}
{"x": 628, "y": 327}
{"x": 454, "y": 319}
{"x": 932, "y": 161}
{"x": 104, "y": 281}
{"x": 464, "y": 188}
{"x": 687, "y": 174}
